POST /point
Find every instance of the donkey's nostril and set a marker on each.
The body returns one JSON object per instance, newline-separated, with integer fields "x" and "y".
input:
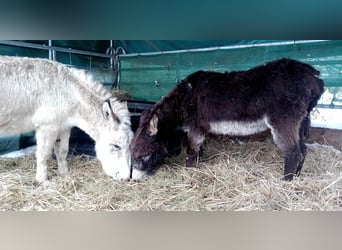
{"x": 131, "y": 172}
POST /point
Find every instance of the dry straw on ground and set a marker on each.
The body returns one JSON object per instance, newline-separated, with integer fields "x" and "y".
{"x": 230, "y": 176}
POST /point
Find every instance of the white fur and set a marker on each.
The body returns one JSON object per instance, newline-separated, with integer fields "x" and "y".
{"x": 48, "y": 97}
{"x": 279, "y": 139}
{"x": 198, "y": 140}
{"x": 119, "y": 168}
{"x": 138, "y": 175}
{"x": 238, "y": 128}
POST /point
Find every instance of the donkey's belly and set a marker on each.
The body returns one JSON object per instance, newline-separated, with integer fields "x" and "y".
{"x": 239, "y": 128}
{"x": 15, "y": 124}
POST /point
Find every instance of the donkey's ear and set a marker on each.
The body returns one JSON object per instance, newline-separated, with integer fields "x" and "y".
{"x": 106, "y": 110}
{"x": 153, "y": 128}
{"x": 108, "y": 113}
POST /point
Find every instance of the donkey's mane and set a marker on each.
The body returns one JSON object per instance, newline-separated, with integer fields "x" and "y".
{"x": 170, "y": 107}
{"x": 43, "y": 65}
{"x": 94, "y": 87}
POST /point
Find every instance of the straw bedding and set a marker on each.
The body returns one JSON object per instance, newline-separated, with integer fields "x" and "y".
{"x": 231, "y": 175}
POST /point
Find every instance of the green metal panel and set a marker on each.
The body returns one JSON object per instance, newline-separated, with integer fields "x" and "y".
{"x": 76, "y": 60}
{"x": 149, "y": 77}
{"x": 9, "y": 143}
{"x": 9, "y": 50}
{"x": 143, "y": 46}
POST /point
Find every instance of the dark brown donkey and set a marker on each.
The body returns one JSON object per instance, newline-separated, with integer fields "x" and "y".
{"x": 278, "y": 95}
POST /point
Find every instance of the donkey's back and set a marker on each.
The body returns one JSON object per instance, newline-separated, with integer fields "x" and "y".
{"x": 30, "y": 90}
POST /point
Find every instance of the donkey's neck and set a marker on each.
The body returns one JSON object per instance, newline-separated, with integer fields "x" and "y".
{"x": 86, "y": 119}
{"x": 169, "y": 109}
{"x": 88, "y": 112}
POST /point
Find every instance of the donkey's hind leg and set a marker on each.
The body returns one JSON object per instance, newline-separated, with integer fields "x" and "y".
{"x": 45, "y": 138}
{"x": 61, "y": 151}
{"x": 286, "y": 135}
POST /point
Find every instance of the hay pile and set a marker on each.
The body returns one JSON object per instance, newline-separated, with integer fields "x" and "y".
{"x": 230, "y": 176}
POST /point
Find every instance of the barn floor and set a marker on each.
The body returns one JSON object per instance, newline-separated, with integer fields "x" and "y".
{"x": 232, "y": 175}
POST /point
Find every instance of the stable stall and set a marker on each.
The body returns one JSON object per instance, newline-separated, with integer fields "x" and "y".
{"x": 233, "y": 174}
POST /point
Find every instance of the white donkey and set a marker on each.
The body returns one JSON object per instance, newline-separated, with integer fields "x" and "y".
{"x": 50, "y": 98}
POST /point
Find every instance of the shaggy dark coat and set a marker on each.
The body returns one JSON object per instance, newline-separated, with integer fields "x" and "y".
{"x": 278, "y": 95}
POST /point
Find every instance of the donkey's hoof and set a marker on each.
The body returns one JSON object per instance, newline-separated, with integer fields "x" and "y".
{"x": 189, "y": 162}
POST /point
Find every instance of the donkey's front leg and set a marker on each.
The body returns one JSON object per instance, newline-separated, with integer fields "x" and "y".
{"x": 45, "y": 141}
{"x": 61, "y": 150}
{"x": 195, "y": 140}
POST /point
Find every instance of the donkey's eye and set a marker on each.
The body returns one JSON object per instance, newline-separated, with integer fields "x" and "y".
{"x": 146, "y": 158}
{"x": 115, "y": 147}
